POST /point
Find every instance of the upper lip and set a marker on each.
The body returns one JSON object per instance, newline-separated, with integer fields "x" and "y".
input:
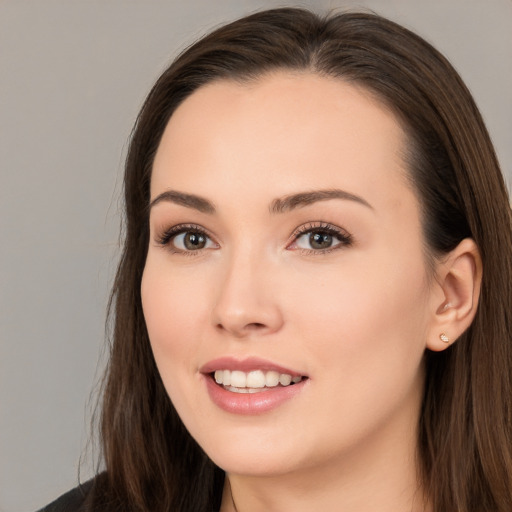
{"x": 247, "y": 364}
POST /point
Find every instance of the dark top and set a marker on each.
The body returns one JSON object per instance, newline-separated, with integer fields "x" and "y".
{"x": 76, "y": 500}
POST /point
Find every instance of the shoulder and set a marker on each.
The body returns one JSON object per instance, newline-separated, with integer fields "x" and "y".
{"x": 75, "y": 500}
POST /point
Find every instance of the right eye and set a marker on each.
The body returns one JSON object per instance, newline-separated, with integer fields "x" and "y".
{"x": 186, "y": 239}
{"x": 191, "y": 241}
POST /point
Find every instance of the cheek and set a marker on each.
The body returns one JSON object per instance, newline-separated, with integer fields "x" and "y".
{"x": 363, "y": 335}
{"x": 173, "y": 318}
{"x": 171, "y": 311}
{"x": 363, "y": 315}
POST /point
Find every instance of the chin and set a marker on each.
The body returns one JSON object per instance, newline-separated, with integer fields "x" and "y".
{"x": 257, "y": 451}
{"x": 250, "y": 463}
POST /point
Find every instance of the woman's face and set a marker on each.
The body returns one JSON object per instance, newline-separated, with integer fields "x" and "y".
{"x": 286, "y": 245}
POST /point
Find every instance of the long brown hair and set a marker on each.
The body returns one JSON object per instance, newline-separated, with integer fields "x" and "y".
{"x": 465, "y": 458}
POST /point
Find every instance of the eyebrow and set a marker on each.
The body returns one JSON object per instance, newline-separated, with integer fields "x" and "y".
{"x": 279, "y": 205}
{"x": 189, "y": 200}
{"x": 302, "y": 199}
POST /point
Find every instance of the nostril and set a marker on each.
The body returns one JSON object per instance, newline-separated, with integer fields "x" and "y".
{"x": 255, "y": 326}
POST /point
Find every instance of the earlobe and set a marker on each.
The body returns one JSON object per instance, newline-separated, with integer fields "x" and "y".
{"x": 458, "y": 281}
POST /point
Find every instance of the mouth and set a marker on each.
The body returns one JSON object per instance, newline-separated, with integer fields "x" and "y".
{"x": 256, "y": 381}
{"x": 251, "y": 385}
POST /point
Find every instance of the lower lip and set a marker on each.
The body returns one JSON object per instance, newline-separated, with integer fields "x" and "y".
{"x": 251, "y": 403}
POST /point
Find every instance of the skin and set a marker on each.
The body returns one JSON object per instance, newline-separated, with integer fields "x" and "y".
{"x": 355, "y": 319}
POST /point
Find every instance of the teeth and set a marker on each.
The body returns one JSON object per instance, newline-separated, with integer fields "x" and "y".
{"x": 238, "y": 379}
{"x": 285, "y": 379}
{"x": 271, "y": 379}
{"x": 242, "y": 390}
{"x": 251, "y": 382}
{"x": 255, "y": 379}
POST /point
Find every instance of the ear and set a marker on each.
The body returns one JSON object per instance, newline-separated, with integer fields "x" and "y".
{"x": 455, "y": 295}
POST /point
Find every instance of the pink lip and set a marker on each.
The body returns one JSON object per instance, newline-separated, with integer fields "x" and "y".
{"x": 246, "y": 365}
{"x": 249, "y": 403}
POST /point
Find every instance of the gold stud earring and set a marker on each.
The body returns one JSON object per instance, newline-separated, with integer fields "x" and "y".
{"x": 444, "y": 338}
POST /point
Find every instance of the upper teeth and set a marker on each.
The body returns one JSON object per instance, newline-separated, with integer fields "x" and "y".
{"x": 254, "y": 379}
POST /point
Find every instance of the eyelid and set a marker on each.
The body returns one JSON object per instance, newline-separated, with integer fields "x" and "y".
{"x": 345, "y": 238}
{"x": 165, "y": 238}
{"x": 341, "y": 234}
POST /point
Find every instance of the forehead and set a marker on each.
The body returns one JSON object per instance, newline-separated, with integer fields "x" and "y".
{"x": 288, "y": 130}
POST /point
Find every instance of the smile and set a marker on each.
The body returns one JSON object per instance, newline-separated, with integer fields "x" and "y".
{"x": 253, "y": 382}
{"x": 251, "y": 386}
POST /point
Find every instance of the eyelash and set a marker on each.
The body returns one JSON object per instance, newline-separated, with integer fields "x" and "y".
{"x": 167, "y": 236}
{"x": 344, "y": 238}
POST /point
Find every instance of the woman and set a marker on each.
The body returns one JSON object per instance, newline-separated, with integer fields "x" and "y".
{"x": 312, "y": 306}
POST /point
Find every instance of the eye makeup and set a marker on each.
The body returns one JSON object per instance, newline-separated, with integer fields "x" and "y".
{"x": 317, "y": 237}
{"x": 321, "y": 237}
{"x": 187, "y": 239}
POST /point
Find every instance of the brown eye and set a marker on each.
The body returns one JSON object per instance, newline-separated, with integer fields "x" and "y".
{"x": 194, "y": 241}
{"x": 320, "y": 240}
{"x": 191, "y": 241}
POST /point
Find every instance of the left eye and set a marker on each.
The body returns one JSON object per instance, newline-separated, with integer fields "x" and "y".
{"x": 317, "y": 240}
{"x": 320, "y": 239}
{"x": 191, "y": 241}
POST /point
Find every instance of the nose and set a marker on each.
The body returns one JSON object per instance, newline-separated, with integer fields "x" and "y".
{"x": 246, "y": 303}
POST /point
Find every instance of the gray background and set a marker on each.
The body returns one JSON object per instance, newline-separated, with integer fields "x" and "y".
{"x": 72, "y": 77}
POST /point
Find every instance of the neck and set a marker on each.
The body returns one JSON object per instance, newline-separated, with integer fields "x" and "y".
{"x": 374, "y": 476}
{"x": 358, "y": 492}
